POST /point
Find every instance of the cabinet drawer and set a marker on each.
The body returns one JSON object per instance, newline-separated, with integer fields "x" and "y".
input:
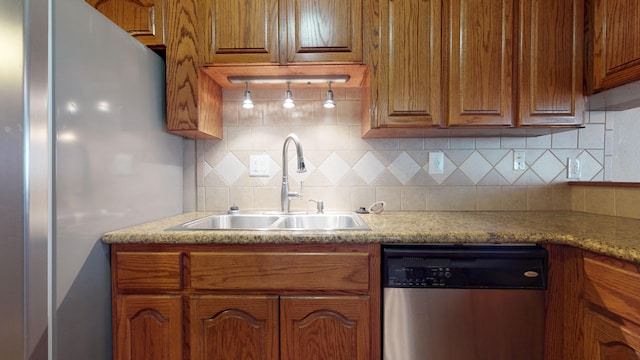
{"x": 148, "y": 270}
{"x": 280, "y": 271}
{"x": 614, "y": 285}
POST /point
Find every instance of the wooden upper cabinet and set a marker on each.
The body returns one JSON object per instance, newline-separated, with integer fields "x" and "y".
{"x": 614, "y": 43}
{"x": 241, "y": 31}
{"x": 282, "y": 31}
{"x": 322, "y": 31}
{"x": 550, "y": 62}
{"x": 480, "y": 62}
{"x": 404, "y": 91}
{"x": 143, "y": 19}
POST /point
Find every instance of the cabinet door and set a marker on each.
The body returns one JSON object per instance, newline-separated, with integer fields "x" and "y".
{"x": 240, "y": 31}
{"x": 480, "y": 35}
{"x": 410, "y": 63}
{"x": 316, "y": 328}
{"x": 234, "y": 327}
{"x": 550, "y": 66}
{"x": 143, "y": 19}
{"x": 607, "y": 339}
{"x": 615, "y": 43}
{"x": 148, "y": 327}
{"x": 322, "y": 31}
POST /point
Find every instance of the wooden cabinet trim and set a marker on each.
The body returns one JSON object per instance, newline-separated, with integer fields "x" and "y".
{"x": 280, "y": 271}
{"x": 148, "y": 270}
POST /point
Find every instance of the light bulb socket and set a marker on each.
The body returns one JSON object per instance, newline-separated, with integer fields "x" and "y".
{"x": 288, "y": 98}
{"x": 329, "y": 103}
{"x": 247, "y": 102}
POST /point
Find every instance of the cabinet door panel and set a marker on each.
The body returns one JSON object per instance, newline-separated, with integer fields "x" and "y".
{"x": 323, "y": 30}
{"x": 142, "y": 19}
{"x": 234, "y": 327}
{"x": 480, "y": 62}
{"x": 325, "y": 328}
{"x": 616, "y": 43}
{"x": 606, "y": 339}
{"x": 241, "y": 31}
{"x": 412, "y": 47}
{"x": 148, "y": 327}
{"x": 551, "y": 59}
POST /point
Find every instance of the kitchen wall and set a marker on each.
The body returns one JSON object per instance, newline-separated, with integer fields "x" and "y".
{"x": 348, "y": 172}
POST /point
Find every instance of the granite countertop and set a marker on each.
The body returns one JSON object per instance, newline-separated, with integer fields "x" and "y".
{"x": 608, "y": 235}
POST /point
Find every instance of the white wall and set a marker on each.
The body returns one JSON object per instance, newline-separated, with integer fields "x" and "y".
{"x": 625, "y": 147}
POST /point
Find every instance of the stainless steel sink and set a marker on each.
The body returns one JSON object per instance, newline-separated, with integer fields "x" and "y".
{"x": 268, "y": 221}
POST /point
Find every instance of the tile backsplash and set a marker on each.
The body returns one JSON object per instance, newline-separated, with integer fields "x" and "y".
{"x": 348, "y": 172}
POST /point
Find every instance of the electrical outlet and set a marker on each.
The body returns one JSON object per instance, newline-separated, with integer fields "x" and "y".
{"x": 258, "y": 165}
{"x": 436, "y": 163}
{"x": 519, "y": 163}
{"x": 574, "y": 168}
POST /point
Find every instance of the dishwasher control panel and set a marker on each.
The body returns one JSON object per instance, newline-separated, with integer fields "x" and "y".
{"x": 473, "y": 266}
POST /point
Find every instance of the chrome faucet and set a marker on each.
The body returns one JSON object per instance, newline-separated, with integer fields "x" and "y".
{"x": 286, "y": 195}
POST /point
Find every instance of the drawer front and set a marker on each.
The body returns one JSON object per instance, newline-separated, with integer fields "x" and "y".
{"x": 614, "y": 285}
{"x": 280, "y": 271}
{"x": 148, "y": 270}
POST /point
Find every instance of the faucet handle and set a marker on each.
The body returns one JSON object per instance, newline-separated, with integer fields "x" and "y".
{"x": 297, "y": 194}
{"x": 319, "y": 205}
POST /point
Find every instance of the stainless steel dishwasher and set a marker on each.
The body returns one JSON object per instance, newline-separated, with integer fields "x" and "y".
{"x": 463, "y": 302}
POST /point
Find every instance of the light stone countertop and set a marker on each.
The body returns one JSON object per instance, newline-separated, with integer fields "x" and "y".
{"x": 608, "y": 235}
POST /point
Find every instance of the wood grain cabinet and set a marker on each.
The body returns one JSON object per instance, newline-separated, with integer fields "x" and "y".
{"x": 246, "y": 302}
{"x": 593, "y": 306}
{"x": 612, "y": 308}
{"x": 613, "y": 48}
{"x": 503, "y": 64}
{"x": 142, "y": 19}
{"x": 282, "y": 31}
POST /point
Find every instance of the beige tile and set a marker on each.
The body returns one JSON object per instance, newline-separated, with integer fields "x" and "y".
{"x": 414, "y": 198}
{"x": 463, "y": 198}
{"x": 539, "y": 198}
{"x": 562, "y": 199}
{"x": 514, "y": 198}
{"x": 266, "y": 198}
{"x": 391, "y": 195}
{"x": 438, "y": 198}
{"x": 577, "y": 198}
{"x": 599, "y": 200}
{"x": 216, "y": 199}
{"x": 628, "y": 202}
{"x": 362, "y": 196}
{"x": 488, "y": 198}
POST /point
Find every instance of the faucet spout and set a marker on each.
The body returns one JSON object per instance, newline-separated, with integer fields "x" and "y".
{"x": 285, "y": 194}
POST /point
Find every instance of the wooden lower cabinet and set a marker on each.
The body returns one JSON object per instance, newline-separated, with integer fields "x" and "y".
{"x": 324, "y": 328}
{"x": 234, "y": 327}
{"x": 272, "y": 327}
{"x": 606, "y": 338}
{"x": 266, "y": 302}
{"x": 148, "y": 327}
{"x": 593, "y": 306}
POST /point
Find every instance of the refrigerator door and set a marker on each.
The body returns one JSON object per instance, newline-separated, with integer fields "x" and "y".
{"x": 114, "y": 165}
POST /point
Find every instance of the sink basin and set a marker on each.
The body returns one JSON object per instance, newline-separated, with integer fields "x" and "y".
{"x": 267, "y": 221}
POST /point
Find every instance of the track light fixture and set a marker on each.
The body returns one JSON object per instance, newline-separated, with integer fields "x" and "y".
{"x": 329, "y": 103}
{"x": 247, "y": 102}
{"x": 288, "y": 99}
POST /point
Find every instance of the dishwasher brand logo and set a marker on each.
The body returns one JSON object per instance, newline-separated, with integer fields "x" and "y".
{"x": 531, "y": 274}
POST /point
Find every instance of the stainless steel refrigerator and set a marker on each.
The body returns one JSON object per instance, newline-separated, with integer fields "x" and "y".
{"x": 82, "y": 151}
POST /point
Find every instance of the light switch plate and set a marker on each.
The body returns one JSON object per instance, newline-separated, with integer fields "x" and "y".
{"x": 519, "y": 163}
{"x": 258, "y": 165}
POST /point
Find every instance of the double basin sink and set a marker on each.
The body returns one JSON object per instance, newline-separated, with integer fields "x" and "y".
{"x": 271, "y": 221}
